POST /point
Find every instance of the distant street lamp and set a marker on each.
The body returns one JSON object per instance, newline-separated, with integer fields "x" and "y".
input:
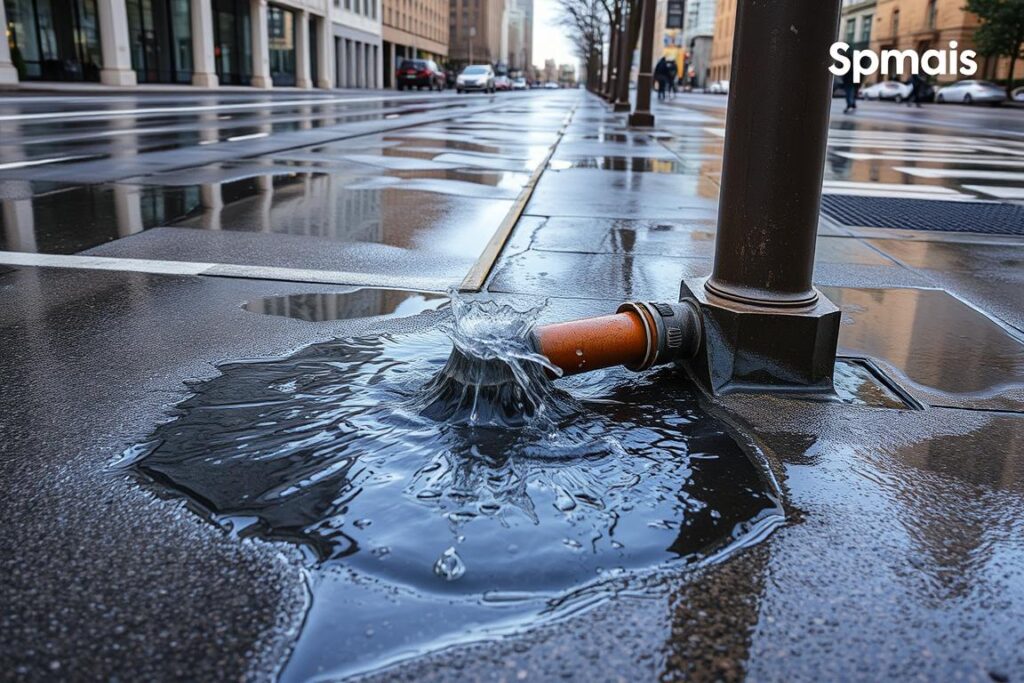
{"x": 642, "y": 115}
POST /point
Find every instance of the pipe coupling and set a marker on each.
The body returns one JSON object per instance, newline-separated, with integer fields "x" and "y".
{"x": 674, "y": 331}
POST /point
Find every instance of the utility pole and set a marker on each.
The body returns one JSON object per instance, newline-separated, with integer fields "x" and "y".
{"x": 625, "y": 58}
{"x": 642, "y": 115}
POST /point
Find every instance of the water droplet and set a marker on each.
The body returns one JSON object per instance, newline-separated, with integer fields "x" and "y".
{"x": 513, "y": 548}
{"x": 572, "y": 543}
{"x": 579, "y": 352}
{"x": 450, "y": 566}
{"x": 564, "y": 501}
{"x": 362, "y": 523}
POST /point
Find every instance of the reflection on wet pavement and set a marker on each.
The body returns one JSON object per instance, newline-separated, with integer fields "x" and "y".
{"x": 362, "y": 303}
{"x": 951, "y": 353}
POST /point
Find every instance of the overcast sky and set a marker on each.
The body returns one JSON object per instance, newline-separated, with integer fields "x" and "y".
{"x": 549, "y": 40}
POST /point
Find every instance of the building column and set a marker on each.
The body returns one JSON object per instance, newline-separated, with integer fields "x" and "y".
{"x": 378, "y": 67}
{"x": 302, "y": 77}
{"x": 350, "y": 58}
{"x": 325, "y": 51}
{"x": 114, "y": 43}
{"x": 389, "y": 77}
{"x": 128, "y": 209}
{"x": 260, "y": 45}
{"x": 8, "y": 74}
{"x": 360, "y": 65}
{"x": 20, "y": 225}
{"x": 204, "y": 70}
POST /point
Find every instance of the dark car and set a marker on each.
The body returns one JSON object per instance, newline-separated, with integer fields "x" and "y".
{"x": 420, "y": 73}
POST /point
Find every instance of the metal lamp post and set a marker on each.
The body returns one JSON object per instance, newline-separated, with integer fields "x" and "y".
{"x": 642, "y": 115}
{"x": 765, "y": 325}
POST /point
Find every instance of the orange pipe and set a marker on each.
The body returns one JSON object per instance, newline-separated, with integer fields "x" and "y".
{"x": 593, "y": 343}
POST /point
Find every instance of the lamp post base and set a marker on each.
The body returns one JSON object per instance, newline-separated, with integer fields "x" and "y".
{"x": 758, "y": 348}
{"x": 641, "y": 119}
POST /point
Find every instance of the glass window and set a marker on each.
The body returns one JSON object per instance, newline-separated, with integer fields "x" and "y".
{"x": 865, "y": 28}
{"x": 54, "y": 40}
{"x": 160, "y": 39}
{"x": 232, "y": 50}
{"x": 281, "y": 43}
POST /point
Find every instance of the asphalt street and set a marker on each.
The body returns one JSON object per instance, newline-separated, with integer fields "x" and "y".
{"x": 147, "y": 242}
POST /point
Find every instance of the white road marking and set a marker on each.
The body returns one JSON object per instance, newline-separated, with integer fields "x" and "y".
{"x": 254, "y": 272}
{"x": 17, "y": 258}
{"x": 975, "y": 159}
{"x": 960, "y": 173}
{"x": 830, "y": 185}
{"x": 253, "y": 136}
{"x": 40, "y": 162}
{"x": 998, "y": 191}
{"x": 147, "y": 111}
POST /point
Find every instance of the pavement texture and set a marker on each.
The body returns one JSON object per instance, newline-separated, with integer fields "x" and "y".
{"x": 902, "y": 555}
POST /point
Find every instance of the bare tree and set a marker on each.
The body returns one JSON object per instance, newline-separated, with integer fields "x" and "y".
{"x": 585, "y": 21}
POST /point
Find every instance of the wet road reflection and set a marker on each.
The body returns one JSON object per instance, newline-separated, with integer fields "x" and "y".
{"x": 382, "y": 202}
{"x": 362, "y": 303}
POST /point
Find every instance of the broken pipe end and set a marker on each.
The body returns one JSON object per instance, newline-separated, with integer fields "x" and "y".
{"x": 639, "y": 335}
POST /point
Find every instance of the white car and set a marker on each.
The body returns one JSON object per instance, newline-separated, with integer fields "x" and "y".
{"x": 475, "y": 77}
{"x": 972, "y": 92}
{"x": 886, "y": 90}
{"x": 551, "y": 85}
{"x": 718, "y": 87}
{"x": 519, "y": 84}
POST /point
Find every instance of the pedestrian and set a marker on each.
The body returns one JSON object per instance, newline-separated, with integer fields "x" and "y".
{"x": 671, "y": 74}
{"x": 916, "y": 90}
{"x": 661, "y": 77}
{"x": 850, "y": 89}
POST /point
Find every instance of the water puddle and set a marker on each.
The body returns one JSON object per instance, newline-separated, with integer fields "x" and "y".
{"x": 635, "y": 164}
{"x": 949, "y": 352}
{"x": 362, "y": 303}
{"x": 435, "y": 494}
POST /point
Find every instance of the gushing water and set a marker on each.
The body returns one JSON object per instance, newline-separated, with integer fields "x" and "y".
{"x": 451, "y": 464}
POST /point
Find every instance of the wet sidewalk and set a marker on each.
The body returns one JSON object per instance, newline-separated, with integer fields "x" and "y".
{"x": 901, "y": 552}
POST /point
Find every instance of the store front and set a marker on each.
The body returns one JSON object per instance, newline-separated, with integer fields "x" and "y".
{"x": 54, "y": 40}
{"x": 232, "y": 50}
{"x": 160, "y": 33}
{"x": 281, "y": 34}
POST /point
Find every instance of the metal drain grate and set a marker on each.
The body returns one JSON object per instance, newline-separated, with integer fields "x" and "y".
{"x": 924, "y": 214}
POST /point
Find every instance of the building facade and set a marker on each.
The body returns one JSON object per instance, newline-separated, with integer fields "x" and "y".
{"x": 475, "y": 31}
{"x": 721, "y": 40}
{"x": 857, "y": 22}
{"x": 697, "y": 33}
{"x": 414, "y": 29}
{"x": 884, "y": 25}
{"x": 930, "y": 24}
{"x": 206, "y": 43}
{"x": 520, "y": 36}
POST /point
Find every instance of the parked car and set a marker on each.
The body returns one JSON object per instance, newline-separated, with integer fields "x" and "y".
{"x": 718, "y": 87}
{"x": 519, "y": 84}
{"x": 476, "y": 77}
{"x": 886, "y": 90}
{"x": 896, "y": 91}
{"x": 1018, "y": 94}
{"x": 972, "y": 92}
{"x": 502, "y": 83}
{"x": 551, "y": 85}
{"x": 419, "y": 73}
